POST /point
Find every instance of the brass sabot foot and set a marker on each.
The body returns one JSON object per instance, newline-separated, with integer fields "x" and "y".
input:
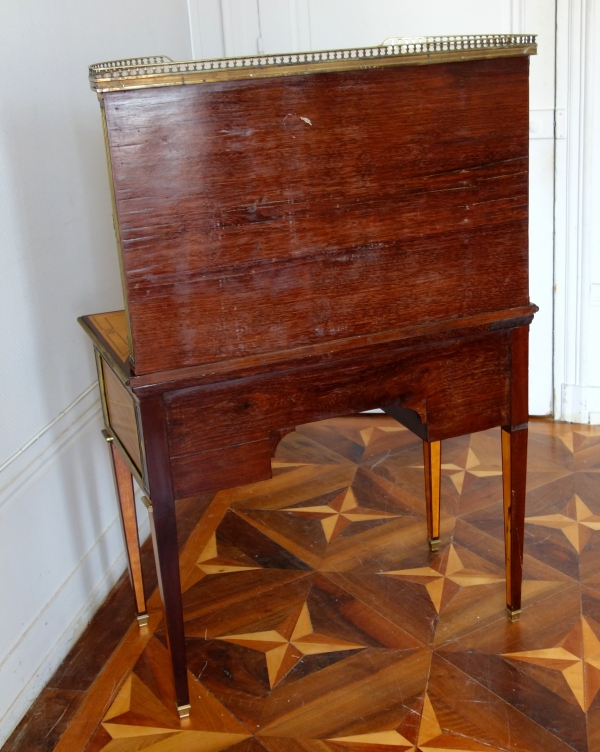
{"x": 434, "y": 544}
{"x": 514, "y": 614}
{"x": 184, "y": 710}
{"x": 142, "y": 620}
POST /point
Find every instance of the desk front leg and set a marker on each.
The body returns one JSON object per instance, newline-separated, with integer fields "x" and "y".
{"x": 514, "y": 478}
{"x": 126, "y": 502}
{"x": 163, "y": 525}
{"x": 514, "y": 469}
{"x": 432, "y": 460}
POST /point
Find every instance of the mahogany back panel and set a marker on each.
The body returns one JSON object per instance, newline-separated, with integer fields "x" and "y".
{"x": 261, "y": 215}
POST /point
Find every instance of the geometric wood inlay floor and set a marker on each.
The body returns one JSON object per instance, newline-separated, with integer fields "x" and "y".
{"x": 317, "y": 619}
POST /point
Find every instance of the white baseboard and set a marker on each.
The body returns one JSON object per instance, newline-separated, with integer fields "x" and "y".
{"x": 580, "y": 404}
{"x": 22, "y": 667}
{"x": 60, "y": 468}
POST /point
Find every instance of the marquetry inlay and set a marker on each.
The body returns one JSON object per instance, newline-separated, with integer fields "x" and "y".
{"x": 113, "y": 327}
{"x": 422, "y": 657}
{"x": 391, "y": 738}
{"x": 576, "y": 656}
{"x": 578, "y": 524}
{"x": 341, "y": 512}
{"x": 210, "y": 562}
{"x": 289, "y": 642}
{"x": 137, "y": 712}
{"x": 469, "y": 470}
{"x": 445, "y": 577}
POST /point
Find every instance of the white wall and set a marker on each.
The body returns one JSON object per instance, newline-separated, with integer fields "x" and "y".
{"x": 60, "y": 542}
{"x": 577, "y": 272}
{"x": 539, "y": 17}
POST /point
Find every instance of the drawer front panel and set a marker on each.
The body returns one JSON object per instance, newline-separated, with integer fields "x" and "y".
{"x": 457, "y": 387}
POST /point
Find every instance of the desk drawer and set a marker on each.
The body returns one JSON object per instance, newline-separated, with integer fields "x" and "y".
{"x": 458, "y": 386}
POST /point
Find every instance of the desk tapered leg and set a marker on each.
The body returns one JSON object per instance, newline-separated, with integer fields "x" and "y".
{"x": 164, "y": 539}
{"x": 126, "y": 499}
{"x": 432, "y": 459}
{"x": 514, "y": 477}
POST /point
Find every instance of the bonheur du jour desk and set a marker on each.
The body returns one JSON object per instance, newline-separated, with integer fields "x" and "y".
{"x": 305, "y": 236}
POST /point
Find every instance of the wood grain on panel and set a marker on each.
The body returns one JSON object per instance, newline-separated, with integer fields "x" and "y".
{"x": 519, "y": 376}
{"x": 239, "y": 464}
{"x": 452, "y": 385}
{"x": 345, "y": 203}
{"x": 415, "y": 335}
{"x": 121, "y": 412}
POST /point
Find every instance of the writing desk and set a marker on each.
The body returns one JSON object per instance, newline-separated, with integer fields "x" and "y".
{"x": 308, "y": 236}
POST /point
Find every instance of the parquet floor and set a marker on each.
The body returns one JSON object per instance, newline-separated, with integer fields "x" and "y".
{"x": 318, "y": 620}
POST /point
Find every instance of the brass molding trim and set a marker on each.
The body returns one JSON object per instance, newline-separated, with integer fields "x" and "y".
{"x": 141, "y": 73}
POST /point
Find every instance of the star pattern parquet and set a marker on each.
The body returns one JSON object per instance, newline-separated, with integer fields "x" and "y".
{"x": 318, "y": 620}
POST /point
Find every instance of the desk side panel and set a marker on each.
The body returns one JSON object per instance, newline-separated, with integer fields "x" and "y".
{"x": 261, "y": 215}
{"x": 122, "y": 414}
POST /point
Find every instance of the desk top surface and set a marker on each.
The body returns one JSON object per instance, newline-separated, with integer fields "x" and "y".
{"x": 110, "y": 329}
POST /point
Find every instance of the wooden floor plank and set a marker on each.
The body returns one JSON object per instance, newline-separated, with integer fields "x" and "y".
{"x": 318, "y": 619}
